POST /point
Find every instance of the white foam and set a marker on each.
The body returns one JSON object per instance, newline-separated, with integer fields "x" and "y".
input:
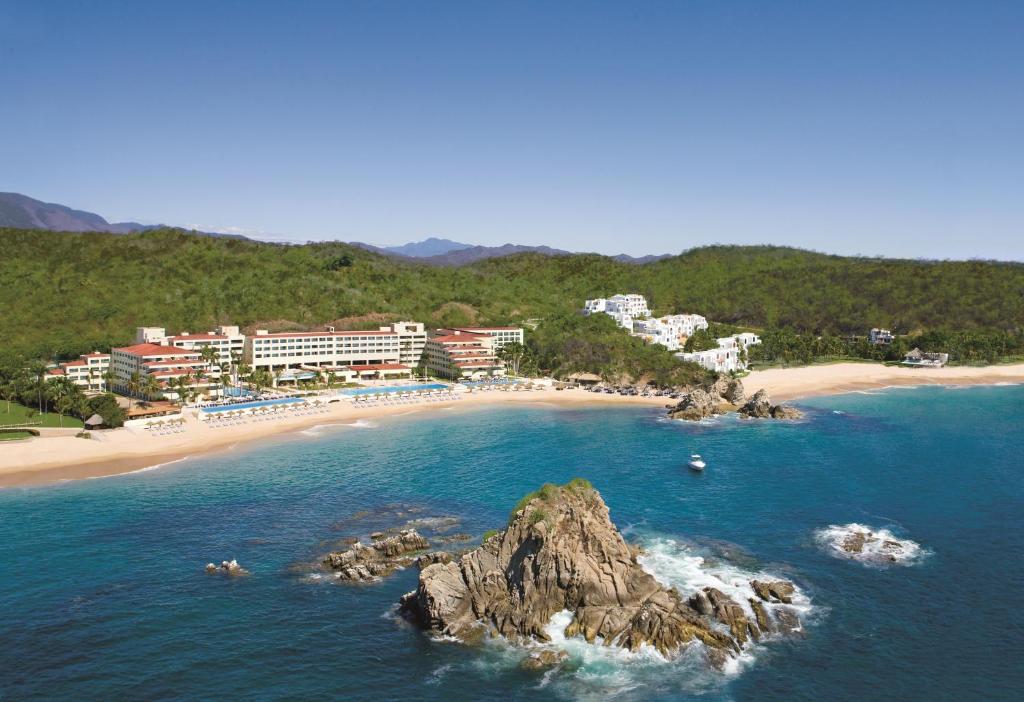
{"x": 881, "y": 547}
{"x": 156, "y": 466}
{"x": 362, "y": 424}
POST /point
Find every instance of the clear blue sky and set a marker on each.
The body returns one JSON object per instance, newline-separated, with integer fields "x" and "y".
{"x": 891, "y": 128}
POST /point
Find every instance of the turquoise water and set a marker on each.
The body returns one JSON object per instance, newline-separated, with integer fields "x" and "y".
{"x": 103, "y": 594}
{"x": 393, "y": 388}
{"x": 251, "y": 405}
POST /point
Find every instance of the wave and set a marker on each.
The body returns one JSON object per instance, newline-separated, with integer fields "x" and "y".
{"x": 146, "y": 469}
{"x": 877, "y": 547}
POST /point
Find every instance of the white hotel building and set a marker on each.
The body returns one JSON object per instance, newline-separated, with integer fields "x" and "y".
{"x": 228, "y": 340}
{"x": 86, "y": 372}
{"x": 670, "y": 331}
{"x": 390, "y": 351}
{"x": 499, "y": 335}
{"x": 164, "y": 363}
{"x": 463, "y": 356}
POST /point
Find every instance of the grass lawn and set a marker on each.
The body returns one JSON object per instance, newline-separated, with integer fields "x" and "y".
{"x": 13, "y": 435}
{"x": 20, "y": 415}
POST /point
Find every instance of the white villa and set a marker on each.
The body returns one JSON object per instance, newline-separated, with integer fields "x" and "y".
{"x": 880, "y": 336}
{"x": 728, "y": 357}
{"x": 622, "y": 308}
{"x": 671, "y": 331}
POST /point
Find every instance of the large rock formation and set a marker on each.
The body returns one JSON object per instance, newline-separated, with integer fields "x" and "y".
{"x": 562, "y": 552}
{"x": 368, "y": 562}
{"x": 698, "y": 403}
{"x": 760, "y": 407}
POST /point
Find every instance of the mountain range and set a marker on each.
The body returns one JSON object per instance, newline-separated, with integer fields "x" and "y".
{"x": 21, "y": 211}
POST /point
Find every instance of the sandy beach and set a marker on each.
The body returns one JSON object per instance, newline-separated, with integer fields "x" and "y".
{"x": 49, "y": 460}
{"x": 833, "y": 379}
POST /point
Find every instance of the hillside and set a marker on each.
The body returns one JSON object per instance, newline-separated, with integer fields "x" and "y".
{"x": 65, "y": 293}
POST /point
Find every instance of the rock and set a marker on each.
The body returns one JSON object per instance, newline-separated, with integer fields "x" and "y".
{"x": 562, "y": 552}
{"x": 540, "y": 660}
{"x": 787, "y": 620}
{"x": 696, "y": 404}
{"x": 735, "y": 394}
{"x": 700, "y": 602}
{"x": 761, "y": 615}
{"x": 786, "y": 412}
{"x": 433, "y": 557}
{"x": 777, "y": 590}
{"x": 759, "y": 406}
{"x": 730, "y": 613}
{"x": 227, "y": 568}
{"x": 377, "y": 535}
{"x": 854, "y": 543}
{"x": 381, "y": 558}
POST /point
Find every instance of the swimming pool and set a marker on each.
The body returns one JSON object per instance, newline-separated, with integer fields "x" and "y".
{"x": 251, "y": 405}
{"x": 393, "y": 388}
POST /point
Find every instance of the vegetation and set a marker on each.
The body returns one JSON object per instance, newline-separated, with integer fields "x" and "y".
{"x": 788, "y": 347}
{"x": 68, "y": 293}
{"x": 28, "y": 395}
{"x": 20, "y": 414}
{"x": 548, "y": 492}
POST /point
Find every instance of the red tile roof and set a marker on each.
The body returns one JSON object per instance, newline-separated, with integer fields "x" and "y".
{"x": 155, "y": 350}
{"x": 458, "y": 338}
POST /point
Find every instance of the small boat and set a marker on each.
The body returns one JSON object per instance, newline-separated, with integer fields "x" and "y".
{"x": 697, "y": 463}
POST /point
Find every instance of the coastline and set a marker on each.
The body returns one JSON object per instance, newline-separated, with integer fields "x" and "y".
{"x": 121, "y": 451}
{"x": 787, "y": 384}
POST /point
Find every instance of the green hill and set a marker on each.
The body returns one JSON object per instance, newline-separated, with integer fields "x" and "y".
{"x": 66, "y": 293}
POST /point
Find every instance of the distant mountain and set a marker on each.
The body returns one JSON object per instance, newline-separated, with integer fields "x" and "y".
{"x": 428, "y": 247}
{"x": 24, "y": 212}
{"x": 463, "y": 257}
{"x": 640, "y": 260}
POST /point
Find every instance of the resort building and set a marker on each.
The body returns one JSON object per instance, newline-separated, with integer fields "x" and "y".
{"x": 880, "y": 336}
{"x": 670, "y": 331}
{"x": 227, "y": 340}
{"x": 730, "y": 355}
{"x": 622, "y": 308}
{"x": 412, "y": 337}
{"x": 164, "y": 363}
{"x": 87, "y": 372}
{"x": 500, "y": 335}
{"x": 335, "y": 351}
{"x": 920, "y": 359}
{"x": 462, "y": 356}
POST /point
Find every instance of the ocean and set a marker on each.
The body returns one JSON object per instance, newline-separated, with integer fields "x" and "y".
{"x": 103, "y": 593}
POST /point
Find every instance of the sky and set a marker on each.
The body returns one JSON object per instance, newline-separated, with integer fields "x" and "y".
{"x": 874, "y": 128}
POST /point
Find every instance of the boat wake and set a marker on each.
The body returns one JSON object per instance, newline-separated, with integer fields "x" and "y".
{"x": 877, "y": 547}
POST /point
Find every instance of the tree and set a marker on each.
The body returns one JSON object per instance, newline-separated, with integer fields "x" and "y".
{"x": 700, "y": 340}
{"x": 108, "y": 379}
{"x": 64, "y": 394}
{"x": 134, "y": 384}
{"x": 150, "y": 386}
{"x": 212, "y": 357}
{"x": 513, "y": 355}
{"x": 8, "y": 391}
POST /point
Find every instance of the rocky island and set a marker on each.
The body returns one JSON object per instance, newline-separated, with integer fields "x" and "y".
{"x": 728, "y": 395}
{"x": 561, "y": 552}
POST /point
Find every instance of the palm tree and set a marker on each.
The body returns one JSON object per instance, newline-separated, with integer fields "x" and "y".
{"x": 37, "y": 371}
{"x": 64, "y": 394}
{"x": 211, "y": 356}
{"x": 150, "y": 386}
{"x": 134, "y": 383}
{"x": 8, "y": 391}
{"x": 108, "y": 379}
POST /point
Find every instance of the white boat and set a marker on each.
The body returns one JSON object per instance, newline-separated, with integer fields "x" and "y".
{"x": 696, "y": 462}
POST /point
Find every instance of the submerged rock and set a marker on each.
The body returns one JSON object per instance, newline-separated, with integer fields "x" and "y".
{"x": 380, "y": 558}
{"x": 539, "y": 660}
{"x": 861, "y": 543}
{"x": 561, "y": 552}
{"x": 227, "y": 568}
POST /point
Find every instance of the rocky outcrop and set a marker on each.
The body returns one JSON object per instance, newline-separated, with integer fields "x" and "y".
{"x": 540, "y": 660}
{"x": 699, "y": 403}
{"x": 760, "y": 407}
{"x": 775, "y": 591}
{"x": 694, "y": 405}
{"x": 561, "y": 552}
{"x": 380, "y": 558}
{"x": 433, "y": 557}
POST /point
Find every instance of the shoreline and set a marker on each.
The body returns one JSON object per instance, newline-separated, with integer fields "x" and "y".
{"x": 121, "y": 451}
